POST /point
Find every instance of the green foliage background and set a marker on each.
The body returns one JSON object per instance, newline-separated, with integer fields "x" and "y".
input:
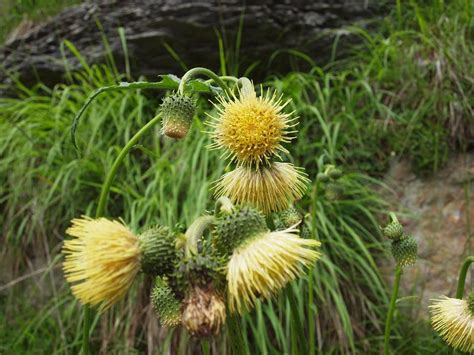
{"x": 405, "y": 90}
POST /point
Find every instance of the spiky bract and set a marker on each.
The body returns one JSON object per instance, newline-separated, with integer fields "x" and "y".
{"x": 393, "y": 230}
{"x": 233, "y": 228}
{"x": 287, "y": 218}
{"x": 158, "y": 251}
{"x": 101, "y": 261}
{"x": 165, "y": 303}
{"x": 454, "y": 322}
{"x": 251, "y": 129}
{"x": 405, "y": 251}
{"x": 177, "y": 112}
{"x": 265, "y": 264}
{"x": 270, "y": 188}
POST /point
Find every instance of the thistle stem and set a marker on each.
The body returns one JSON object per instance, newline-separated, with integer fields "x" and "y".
{"x": 194, "y": 232}
{"x": 391, "y": 310}
{"x": 202, "y": 71}
{"x": 101, "y": 209}
{"x": 205, "y": 347}
{"x": 461, "y": 282}
{"x": 462, "y": 276}
{"x": 223, "y": 203}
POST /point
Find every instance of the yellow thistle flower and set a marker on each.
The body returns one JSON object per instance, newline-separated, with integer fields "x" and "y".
{"x": 251, "y": 129}
{"x": 269, "y": 189}
{"x": 101, "y": 261}
{"x": 453, "y": 319}
{"x": 265, "y": 264}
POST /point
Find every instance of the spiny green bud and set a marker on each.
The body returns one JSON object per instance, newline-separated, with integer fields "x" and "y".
{"x": 165, "y": 303}
{"x": 234, "y": 228}
{"x": 201, "y": 269}
{"x": 177, "y": 111}
{"x": 334, "y": 191}
{"x": 287, "y": 218}
{"x": 470, "y": 303}
{"x": 393, "y": 230}
{"x": 157, "y": 250}
{"x": 405, "y": 251}
{"x": 322, "y": 177}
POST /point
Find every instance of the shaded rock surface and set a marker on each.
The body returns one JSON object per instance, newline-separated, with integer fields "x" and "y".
{"x": 270, "y": 27}
{"x": 440, "y": 215}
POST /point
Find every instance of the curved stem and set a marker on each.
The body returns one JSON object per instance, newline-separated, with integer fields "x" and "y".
{"x": 194, "y": 232}
{"x": 118, "y": 161}
{"x": 461, "y": 282}
{"x": 224, "y": 204}
{"x": 202, "y": 71}
{"x": 391, "y": 310}
{"x": 462, "y": 276}
{"x": 100, "y": 211}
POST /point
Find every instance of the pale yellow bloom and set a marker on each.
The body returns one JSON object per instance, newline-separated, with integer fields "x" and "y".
{"x": 269, "y": 189}
{"x": 265, "y": 263}
{"x": 101, "y": 261}
{"x": 251, "y": 129}
{"x": 454, "y": 321}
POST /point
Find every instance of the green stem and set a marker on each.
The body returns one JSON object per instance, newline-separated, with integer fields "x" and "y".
{"x": 202, "y": 71}
{"x": 461, "y": 282}
{"x": 205, "y": 347}
{"x": 224, "y": 204}
{"x": 391, "y": 310}
{"x": 462, "y": 276}
{"x": 195, "y": 231}
{"x": 101, "y": 209}
{"x": 118, "y": 161}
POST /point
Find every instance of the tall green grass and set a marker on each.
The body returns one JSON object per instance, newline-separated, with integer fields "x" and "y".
{"x": 353, "y": 113}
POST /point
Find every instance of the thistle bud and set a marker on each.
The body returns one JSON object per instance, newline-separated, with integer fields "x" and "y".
{"x": 393, "y": 230}
{"x": 287, "y": 218}
{"x": 405, "y": 251}
{"x": 234, "y": 228}
{"x": 165, "y": 303}
{"x": 470, "y": 303}
{"x": 204, "y": 312}
{"x": 177, "y": 111}
{"x": 157, "y": 250}
{"x": 200, "y": 269}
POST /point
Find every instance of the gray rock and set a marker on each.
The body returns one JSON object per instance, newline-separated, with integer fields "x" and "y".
{"x": 34, "y": 51}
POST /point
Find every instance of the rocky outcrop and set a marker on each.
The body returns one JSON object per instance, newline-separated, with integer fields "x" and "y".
{"x": 156, "y": 31}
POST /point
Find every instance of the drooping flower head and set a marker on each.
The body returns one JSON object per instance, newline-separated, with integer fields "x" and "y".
{"x": 260, "y": 262}
{"x": 103, "y": 258}
{"x": 270, "y": 188}
{"x": 251, "y": 129}
{"x": 453, "y": 319}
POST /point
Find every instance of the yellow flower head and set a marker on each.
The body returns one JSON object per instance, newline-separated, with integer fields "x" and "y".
{"x": 270, "y": 188}
{"x": 251, "y": 129}
{"x": 101, "y": 261}
{"x": 453, "y": 319}
{"x": 264, "y": 264}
